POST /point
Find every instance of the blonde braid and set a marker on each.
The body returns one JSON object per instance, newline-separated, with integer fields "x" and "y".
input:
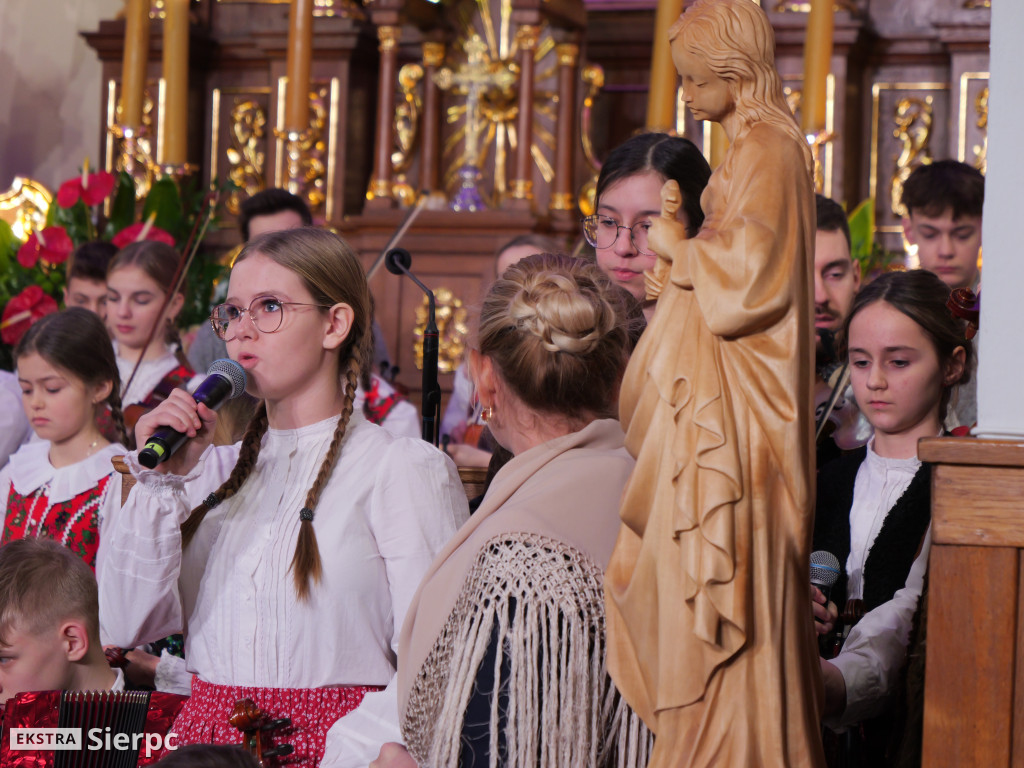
{"x": 252, "y": 441}
{"x": 306, "y": 565}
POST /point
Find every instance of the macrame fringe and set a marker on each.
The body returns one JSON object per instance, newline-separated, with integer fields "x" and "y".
{"x": 563, "y": 711}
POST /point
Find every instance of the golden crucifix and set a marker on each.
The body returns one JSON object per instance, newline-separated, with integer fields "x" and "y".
{"x": 473, "y": 78}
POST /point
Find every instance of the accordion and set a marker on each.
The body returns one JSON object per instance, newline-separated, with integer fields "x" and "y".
{"x": 87, "y": 729}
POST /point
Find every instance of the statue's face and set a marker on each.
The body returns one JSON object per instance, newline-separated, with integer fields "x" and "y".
{"x": 705, "y": 94}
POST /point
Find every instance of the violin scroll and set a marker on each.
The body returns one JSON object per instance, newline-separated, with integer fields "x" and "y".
{"x": 255, "y": 726}
{"x": 963, "y": 303}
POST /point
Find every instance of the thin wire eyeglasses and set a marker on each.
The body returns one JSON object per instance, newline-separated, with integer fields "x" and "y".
{"x": 602, "y": 232}
{"x": 266, "y": 313}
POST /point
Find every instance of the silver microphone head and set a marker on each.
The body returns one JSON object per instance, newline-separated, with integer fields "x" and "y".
{"x": 232, "y": 371}
{"x": 824, "y": 569}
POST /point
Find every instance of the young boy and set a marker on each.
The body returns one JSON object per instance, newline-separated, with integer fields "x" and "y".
{"x": 87, "y": 277}
{"x": 49, "y": 622}
{"x": 944, "y": 200}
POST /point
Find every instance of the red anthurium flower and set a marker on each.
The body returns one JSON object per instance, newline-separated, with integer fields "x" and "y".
{"x": 23, "y": 310}
{"x": 144, "y": 230}
{"x": 92, "y": 188}
{"x": 51, "y": 245}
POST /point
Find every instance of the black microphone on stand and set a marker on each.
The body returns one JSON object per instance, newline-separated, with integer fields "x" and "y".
{"x": 398, "y": 262}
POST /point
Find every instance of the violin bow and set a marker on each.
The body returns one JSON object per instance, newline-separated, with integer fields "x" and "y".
{"x": 833, "y": 398}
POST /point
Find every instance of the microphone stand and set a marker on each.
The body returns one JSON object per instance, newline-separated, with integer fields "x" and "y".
{"x": 398, "y": 262}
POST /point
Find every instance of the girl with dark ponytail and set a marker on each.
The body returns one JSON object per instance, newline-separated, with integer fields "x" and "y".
{"x": 63, "y": 485}
{"x": 289, "y": 558}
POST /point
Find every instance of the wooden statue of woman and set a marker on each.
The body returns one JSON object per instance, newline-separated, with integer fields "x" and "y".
{"x": 711, "y": 638}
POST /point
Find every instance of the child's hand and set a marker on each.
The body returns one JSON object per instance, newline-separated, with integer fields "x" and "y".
{"x": 180, "y": 412}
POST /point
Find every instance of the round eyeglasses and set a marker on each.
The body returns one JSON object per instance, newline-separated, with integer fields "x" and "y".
{"x": 266, "y": 313}
{"x": 602, "y": 232}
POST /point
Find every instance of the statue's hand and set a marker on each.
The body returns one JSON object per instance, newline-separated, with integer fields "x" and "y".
{"x": 667, "y": 230}
{"x": 654, "y": 278}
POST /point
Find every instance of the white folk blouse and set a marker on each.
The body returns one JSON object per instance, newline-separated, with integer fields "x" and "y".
{"x": 389, "y": 507}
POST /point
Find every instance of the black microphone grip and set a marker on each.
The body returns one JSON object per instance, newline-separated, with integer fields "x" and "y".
{"x": 226, "y": 380}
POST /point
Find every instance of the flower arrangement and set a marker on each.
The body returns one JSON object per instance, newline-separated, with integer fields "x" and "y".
{"x": 32, "y": 273}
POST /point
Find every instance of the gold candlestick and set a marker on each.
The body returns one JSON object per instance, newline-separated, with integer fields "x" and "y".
{"x": 136, "y": 58}
{"x": 817, "y": 65}
{"x": 300, "y": 57}
{"x": 174, "y": 110}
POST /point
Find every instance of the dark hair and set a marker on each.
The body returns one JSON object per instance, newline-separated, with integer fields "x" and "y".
{"x": 921, "y": 296}
{"x": 333, "y": 274}
{"x": 208, "y": 756}
{"x": 832, "y": 217}
{"x": 42, "y": 584}
{"x": 90, "y": 261}
{"x": 76, "y": 341}
{"x": 160, "y": 262}
{"x": 935, "y": 188}
{"x": 555, "y": 328}
{"x": 671, "y": 157}
{"x": 269, "y": 202}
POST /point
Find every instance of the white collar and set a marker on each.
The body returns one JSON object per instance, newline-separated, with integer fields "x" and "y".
{"x": 30, "y": 469}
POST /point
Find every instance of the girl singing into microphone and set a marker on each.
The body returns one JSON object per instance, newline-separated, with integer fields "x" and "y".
{"x": 291, "y": 557}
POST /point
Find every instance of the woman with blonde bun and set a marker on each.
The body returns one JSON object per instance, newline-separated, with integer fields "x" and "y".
{"x": 504, "y": 641}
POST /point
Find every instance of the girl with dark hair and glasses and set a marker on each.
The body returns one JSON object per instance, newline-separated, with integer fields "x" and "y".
{"x": 629, "y": 197}
{"x": 291, "y": 557}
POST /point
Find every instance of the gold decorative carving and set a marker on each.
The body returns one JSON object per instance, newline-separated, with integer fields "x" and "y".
{"x": 246, "y": 154}
{"x": 157, "y": 9}
{"x": 378, "y": 188}
{"x": 913, "y": 120}
{"x": 973, "y": 5}
{"x": 388, "y": 37}
{"x": 527, "y": 36}
{"x": 452, "y": 330}
{"x": 593, "y": 77}
{"x": 804, "y": 6}
{"x": 406, "y": 133}
{"x": 433, "y": 54}
{"x": 568, "y": 54}
{"x": 522, "y": 189}
{"x": 981, "y": 150}
{"x": 561, "y": 201}
{"x": 24, "y": 206}
{"x": 794, "y": 98}
{"x": 305, "y": 152}
{"x": 880, "y": 144}
{"x": 129, "y": 150}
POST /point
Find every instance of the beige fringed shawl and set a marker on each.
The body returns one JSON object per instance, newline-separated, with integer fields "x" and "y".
{"x": 530, "y": 561}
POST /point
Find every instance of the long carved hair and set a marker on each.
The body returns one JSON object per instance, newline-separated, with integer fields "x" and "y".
{"x": 736, "y": 41}
{"x": 333, "y": 275}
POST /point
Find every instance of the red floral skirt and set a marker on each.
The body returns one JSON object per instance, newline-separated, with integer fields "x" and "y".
{"x": 312, "y": 711}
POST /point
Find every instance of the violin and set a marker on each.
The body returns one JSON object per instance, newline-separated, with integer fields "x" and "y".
{"x": 966, "y": 305}
{"x": 255, "y": 727}
{"x": 836, "y": 414}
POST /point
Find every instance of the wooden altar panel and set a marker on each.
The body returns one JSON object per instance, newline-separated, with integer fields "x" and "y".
{"x": 974, "y": 665}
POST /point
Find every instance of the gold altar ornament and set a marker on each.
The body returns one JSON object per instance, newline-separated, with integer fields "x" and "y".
{"x": 593, "y": 77}
{"x": 246, "y": 156}
{"x": 304, "y": 152}
{"x": 452, "y": 330}
{"x": 406, "y": 131}
{"x": 129, "y": 148}
{"x": 981, "y": 150}
{"x": 913, "y": 120}
{"x": 24, "y": 206}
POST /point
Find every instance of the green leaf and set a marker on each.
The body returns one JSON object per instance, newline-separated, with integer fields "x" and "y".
{"x": 163, "y": 200}
{"x": 8, "y": 243}
{"x": 122, "y": 210}
{"x": 862, "y": 233}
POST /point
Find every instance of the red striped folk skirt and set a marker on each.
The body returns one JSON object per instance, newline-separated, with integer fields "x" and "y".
{"x": 204, "y": 718}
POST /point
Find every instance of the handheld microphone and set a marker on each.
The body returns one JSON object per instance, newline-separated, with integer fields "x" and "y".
{"x": 225, "y": 380}
{"x": 824, "y": 571}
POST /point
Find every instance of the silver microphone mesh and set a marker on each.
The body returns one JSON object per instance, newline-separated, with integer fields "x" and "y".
{"x": 824, "y": 568}
{"x": 231, "y": 371}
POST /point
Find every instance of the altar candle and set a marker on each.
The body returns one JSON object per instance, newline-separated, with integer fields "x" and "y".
{"x": 662, "y": 101}
{"x": 174, "y": 110}
{"x": 817, "y": 64}
{"x": 136, "y": 57}
{"x": 300, "y": 55}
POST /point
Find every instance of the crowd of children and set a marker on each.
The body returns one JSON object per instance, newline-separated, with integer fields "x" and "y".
{"x": 289, "y": 545}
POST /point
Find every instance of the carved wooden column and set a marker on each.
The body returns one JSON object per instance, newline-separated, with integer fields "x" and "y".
{"x": 521, "y": 193}
{"x": 379, "y": 193}
{"x": 433, "y": 58}
{"x": 561, "y": 194}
